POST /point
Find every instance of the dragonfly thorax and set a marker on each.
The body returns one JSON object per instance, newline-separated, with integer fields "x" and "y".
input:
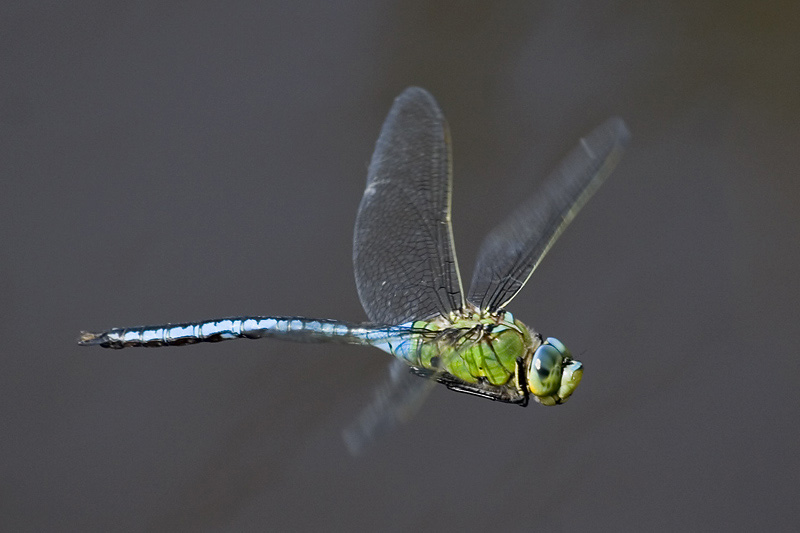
{"x": 492, "y": 353}
{"x": 473, "y": 348}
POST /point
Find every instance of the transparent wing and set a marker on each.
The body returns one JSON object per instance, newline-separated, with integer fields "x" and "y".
{"x": 405, "y": 263}
{"x": 513, "y": 250}
{"x": 396, "y": 401}
{"x": 399, "y": 397}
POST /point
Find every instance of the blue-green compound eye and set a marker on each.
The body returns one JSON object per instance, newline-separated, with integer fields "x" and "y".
{"x": 544, "y": 376}
{"x": 553, "y": 375}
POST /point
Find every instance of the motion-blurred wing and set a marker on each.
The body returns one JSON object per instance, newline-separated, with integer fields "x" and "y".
{"x": 395, "y": 402}
{"x": 513, "y": 250}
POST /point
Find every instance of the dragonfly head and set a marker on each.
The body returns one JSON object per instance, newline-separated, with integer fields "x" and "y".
{"x": 553, "y": 375}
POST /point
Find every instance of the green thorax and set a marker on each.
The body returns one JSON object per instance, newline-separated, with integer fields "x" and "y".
{"x": 476, "y": 349}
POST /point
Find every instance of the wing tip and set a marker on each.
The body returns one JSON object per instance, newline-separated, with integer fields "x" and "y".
{"x": 414, "y": 89}
{"x": 618, "y": 129}
{"x": 608, "y": 140}
{"x": 416, "y": 94}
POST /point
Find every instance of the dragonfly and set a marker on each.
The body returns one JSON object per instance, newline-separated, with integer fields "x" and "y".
{"x": 409, "y": 282}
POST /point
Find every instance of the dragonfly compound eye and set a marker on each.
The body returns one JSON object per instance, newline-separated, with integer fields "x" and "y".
{"x": 544, "y": 375}
{"x": 553, "y": 375}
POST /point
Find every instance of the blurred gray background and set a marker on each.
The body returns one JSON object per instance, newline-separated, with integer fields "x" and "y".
{"x": 189, "y": 161}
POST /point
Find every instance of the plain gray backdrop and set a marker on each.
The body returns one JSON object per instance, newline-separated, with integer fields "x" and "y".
{"x": 178, "y": 161}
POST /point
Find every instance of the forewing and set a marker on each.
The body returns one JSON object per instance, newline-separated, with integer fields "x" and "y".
{"x": 513, "y": 250}
{"x": 405, "y": 263}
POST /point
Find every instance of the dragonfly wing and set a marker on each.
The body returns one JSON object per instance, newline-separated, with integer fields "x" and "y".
{"x": 399, "y": 398}
{"x": 515, "y": 248}
{"x": 396, "y": 401}
{"x": 405, "y": 263}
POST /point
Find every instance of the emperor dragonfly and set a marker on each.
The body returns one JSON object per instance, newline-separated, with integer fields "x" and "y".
{"x": 409, "y": 283}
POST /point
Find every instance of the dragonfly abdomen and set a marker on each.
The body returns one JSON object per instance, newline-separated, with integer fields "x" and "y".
{"x": 288, "y": 328}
